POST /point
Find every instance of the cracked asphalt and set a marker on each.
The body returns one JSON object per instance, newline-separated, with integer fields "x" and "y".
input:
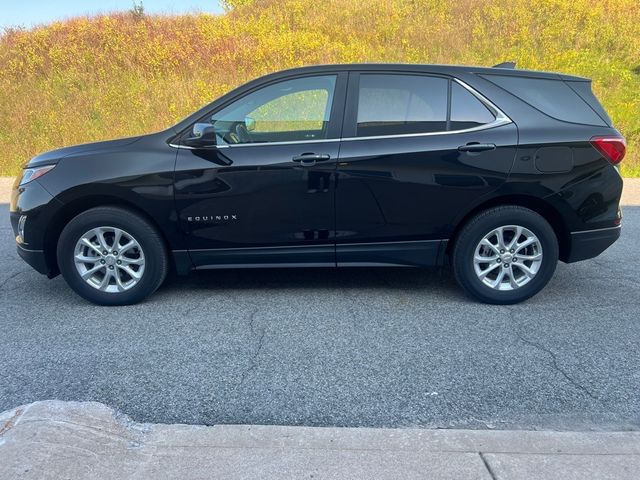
{"x": 321, "y": 347}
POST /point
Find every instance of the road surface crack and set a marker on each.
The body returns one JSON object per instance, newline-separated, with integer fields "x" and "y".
{"x": 253, "y": 361}
{"x": 11, "y": 277}
{"x": 555, "y": 365}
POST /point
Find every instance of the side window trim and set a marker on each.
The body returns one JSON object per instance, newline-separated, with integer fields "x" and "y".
{"x": 345, "y": 110}
{"x": 351, "y": 109}
{"x": 266, "y": 144}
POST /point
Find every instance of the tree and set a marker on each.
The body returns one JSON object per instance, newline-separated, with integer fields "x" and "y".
{"x": 138, "y": 9}
{"x": 231, "y": 4}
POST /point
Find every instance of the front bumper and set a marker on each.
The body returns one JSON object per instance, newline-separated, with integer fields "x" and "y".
{"x": 591, "y": 243}
{"x": 35, "y": 258}
{"x": 38, "y": 207}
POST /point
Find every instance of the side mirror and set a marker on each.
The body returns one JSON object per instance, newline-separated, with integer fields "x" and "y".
{"x": 202, "y": 134}
{"x": 250, "y": 124}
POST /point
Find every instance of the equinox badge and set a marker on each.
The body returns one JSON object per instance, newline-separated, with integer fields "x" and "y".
{"x": 213, "y": 218}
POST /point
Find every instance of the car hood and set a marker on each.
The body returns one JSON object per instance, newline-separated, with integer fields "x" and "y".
{"x": 53, "y": 156}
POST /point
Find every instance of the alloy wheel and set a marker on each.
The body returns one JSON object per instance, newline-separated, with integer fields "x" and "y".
{"x": 508, "y": 257}
{"x": 109, "y": 259}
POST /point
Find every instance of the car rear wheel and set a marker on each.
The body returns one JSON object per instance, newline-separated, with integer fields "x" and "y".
{"x": 505, "y": 255}
{"x": 112, "y": 256}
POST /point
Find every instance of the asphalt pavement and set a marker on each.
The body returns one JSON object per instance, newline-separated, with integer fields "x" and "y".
{"x": 323, "y": 347}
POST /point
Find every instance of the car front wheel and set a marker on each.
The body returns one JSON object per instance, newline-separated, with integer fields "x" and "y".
{"x": 112, "y": 256}
{"x": 505, "y": 255}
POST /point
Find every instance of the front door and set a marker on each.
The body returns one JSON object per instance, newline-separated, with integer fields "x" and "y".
{"x": 263, "y": 192}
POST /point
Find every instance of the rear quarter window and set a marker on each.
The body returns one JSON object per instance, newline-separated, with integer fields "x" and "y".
{"x": 584, "y": 90}
{"x": 466, "y": 110}
{"x": 552, "y": 97}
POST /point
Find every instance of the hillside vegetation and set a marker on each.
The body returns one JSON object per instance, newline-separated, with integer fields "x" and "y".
{"x": 88, "y": 79}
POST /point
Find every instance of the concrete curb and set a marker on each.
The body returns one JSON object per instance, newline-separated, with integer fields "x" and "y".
{"x": 630, "y": 194}
{"x": 54, "y": 439}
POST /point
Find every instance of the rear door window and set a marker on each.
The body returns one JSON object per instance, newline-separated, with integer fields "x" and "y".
{"x": 391, "y": 104}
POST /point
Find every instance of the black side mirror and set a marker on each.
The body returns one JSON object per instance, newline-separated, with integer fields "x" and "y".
{"x": 202, "y": 135}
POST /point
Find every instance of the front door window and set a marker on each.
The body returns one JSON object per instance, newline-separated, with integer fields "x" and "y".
{"x": 292, "y": 110}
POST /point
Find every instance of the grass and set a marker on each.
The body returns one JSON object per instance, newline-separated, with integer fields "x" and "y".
{"x": 89, "y": 79}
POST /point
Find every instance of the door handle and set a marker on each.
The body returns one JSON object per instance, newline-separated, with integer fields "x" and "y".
{"x": 477, "y": 147}
{"x": 310, "y": 159}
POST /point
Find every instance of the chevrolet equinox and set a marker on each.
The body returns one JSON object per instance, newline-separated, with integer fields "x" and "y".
{"x": 498, "y": 172}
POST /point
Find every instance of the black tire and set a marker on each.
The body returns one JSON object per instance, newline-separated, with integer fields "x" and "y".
{"x": 156, "y": 262}
{"x": 474, "y": 231}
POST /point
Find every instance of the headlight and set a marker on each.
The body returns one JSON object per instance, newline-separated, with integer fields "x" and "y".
{"x": 30, "y": 174}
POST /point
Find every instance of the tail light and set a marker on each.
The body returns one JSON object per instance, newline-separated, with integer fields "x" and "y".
{"x": 613, "y": 148}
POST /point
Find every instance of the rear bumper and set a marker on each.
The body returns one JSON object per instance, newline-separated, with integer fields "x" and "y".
{"x": 591, "y": 243}
{"x": 35, "y": 258}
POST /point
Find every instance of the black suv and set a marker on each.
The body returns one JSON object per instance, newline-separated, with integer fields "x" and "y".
{"x": 499, "y": 171}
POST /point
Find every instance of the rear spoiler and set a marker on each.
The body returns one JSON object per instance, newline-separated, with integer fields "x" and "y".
{"x": 510, "y": 65}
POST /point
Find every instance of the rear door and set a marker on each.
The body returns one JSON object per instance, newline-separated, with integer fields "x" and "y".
{"x": 417, "y": 151}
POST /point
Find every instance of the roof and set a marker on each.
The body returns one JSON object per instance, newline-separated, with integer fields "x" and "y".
{"x": 437, "y": 69}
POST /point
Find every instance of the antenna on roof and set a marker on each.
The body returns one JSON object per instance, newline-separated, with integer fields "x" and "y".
{"x": 510, "y": 65}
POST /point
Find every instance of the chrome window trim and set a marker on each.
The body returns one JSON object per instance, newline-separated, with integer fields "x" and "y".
{"x": 260, "y": 144}
{"x": 501, "y": 119}
{"x": 319, "y": 140}
{"x": 494, "y": 124}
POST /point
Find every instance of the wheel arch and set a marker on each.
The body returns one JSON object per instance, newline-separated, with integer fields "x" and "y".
{"x": 70, "y": 210}
{"x": 537, "y": 204}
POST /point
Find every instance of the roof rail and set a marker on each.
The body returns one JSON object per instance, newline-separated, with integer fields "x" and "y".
{"x": 510, "y": 65}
